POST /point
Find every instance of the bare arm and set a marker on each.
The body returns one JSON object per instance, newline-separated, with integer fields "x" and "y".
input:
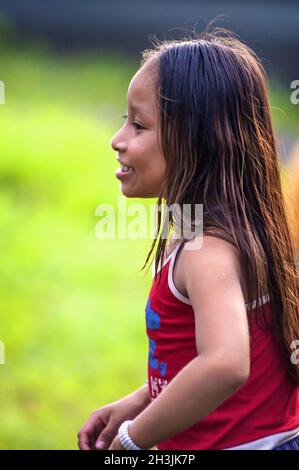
{"x": 222, "y": 366}
{"x": 195, "y": 392}
{"x": 141, "y": 395}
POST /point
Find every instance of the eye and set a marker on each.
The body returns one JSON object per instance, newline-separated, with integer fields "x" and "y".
{"x": 137, "y": 126}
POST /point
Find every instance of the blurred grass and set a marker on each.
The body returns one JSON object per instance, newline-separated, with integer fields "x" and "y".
{"x": 72, "y": 306}
{"x": 285, "y": 115}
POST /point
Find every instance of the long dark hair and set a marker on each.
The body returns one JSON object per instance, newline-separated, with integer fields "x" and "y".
{"x": 216, "y": 135}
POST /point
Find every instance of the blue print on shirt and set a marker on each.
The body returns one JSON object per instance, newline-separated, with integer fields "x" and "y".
{"x": 153, "y": 323}
{"x": 152, "y": 318}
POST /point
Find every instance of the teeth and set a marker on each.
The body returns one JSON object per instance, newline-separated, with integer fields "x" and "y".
{"x": 125, "y": 168}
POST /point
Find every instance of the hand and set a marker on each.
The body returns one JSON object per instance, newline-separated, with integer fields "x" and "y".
{"x": 103, "y": 423}
{"x": 116, "y": 445}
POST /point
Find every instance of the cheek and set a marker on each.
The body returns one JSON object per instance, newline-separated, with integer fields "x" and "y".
{"x": 147, "y": 159}
{"x": 144, "y": 151}
{"x": 154, "y": 174}
{"x": 137, "y": 154}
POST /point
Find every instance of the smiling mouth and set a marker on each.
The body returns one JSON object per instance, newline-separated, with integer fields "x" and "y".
{"x": 124, "y": 171}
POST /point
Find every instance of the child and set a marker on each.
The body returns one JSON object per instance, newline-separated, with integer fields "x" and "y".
{"x": 222, "y": 313}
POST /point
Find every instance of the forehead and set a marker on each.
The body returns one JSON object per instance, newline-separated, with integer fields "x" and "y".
{"x": 141, "y": 91}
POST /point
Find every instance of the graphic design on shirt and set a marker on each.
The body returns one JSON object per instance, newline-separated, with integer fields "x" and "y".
{"x": 157, "y": 385}
{"x": 153, "y": 323}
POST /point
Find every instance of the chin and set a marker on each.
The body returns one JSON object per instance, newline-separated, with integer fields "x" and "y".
{"x": 127, "y": 192}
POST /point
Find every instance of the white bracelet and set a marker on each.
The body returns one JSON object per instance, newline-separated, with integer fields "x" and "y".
{"x": 124, "y": 437}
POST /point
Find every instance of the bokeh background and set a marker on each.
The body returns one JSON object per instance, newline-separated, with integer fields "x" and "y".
{"x": 72, "y": 306}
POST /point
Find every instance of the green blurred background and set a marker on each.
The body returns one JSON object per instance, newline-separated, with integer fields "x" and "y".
{"x": 72, "y": 306}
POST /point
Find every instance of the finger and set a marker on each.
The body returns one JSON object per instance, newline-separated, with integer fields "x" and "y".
{"x": 84, "y": 441}
{"x": 105, "y": 438}
{"x": 90, "y": 431}
{"x": 98, "y": 429}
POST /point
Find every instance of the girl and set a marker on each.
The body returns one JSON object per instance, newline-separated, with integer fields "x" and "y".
{"x": 222, "y": 314}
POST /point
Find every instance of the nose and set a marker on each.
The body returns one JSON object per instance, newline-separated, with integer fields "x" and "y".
{"x": 117, "y": 142}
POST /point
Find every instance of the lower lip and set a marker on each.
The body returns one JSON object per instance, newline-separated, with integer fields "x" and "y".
{"x": 121, "y": 174}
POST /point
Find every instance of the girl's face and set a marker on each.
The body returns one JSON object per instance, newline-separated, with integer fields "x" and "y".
{"x": 136, "y": 142}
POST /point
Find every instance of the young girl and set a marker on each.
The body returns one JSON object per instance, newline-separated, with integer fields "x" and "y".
{"x": 222, "y": 314}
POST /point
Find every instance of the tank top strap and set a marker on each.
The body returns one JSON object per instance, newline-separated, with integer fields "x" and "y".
{"x": 172, "y": 255}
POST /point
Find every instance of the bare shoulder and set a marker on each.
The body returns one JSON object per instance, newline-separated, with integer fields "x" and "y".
{"x": 211, "y": 250}
{"x": 211, "y": 262}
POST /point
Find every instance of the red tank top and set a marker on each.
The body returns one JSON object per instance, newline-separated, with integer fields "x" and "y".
{"x": 261, "y": 414}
